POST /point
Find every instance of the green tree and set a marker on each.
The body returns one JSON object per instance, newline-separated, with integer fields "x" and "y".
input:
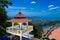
{"x": 3, "y": 14}
{"x": 37, "y": 31}
{"x": 24, "y": 23}
{"x": 53, "y": 39}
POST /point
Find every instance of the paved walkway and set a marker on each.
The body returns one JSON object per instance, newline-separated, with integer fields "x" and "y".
{"x": 34, "y": 39}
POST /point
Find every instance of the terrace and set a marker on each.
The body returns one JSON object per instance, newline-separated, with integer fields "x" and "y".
{"x": 16, "y": 30}
{"x": 20, "y": 30}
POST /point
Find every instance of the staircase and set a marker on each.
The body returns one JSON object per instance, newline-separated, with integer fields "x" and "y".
{"x": 49, "y": 31}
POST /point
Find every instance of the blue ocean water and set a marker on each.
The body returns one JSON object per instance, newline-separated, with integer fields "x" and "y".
{"x": 45, "y": 26}
{"x": 43, "y": 18}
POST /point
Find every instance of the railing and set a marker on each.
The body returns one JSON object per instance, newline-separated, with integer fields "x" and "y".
{"x": 50, "y": 30}
{"x": 10, "y": 29}
{"x": 17, "y": 30}
{"x": 27, "y": 29}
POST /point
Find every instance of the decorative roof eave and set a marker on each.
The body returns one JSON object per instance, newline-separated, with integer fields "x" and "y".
{"x": 19, "y": 20}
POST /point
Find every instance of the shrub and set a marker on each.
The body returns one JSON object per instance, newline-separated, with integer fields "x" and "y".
{"x": 37, "y": 31}
{"x": 53, "y": 39}
{"x": 24, "y": 23}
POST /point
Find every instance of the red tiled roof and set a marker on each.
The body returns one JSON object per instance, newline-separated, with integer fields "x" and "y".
{"x": 45, "y": 30}
{"x": 19, "y": 15}
{"x": 55, "y": 34}
{"x": 19, "y": 18}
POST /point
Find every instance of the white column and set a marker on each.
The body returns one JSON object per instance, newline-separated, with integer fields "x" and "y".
{"x": 20, "y": 35}
{"x": 27, "y": 24}
{"x": 20, "y": 24}
{"x": 12, "y": 24}
{"x": 27, "y": 27}
{"x": 20, "y": 31}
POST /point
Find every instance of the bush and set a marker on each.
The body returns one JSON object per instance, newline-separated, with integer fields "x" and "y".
{"x": 46, "y": 38}
{"x": 53, "y": 39}
{"x": 37, "y": 31}
{"x": 16, "y": 23}
{"x": 2, "y": 31}
{"x": 24, "y": 23}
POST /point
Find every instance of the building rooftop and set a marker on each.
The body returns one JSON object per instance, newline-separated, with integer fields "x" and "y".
{"x": 19, "y": 18}
{"x": 19, "y": 15}
{"x": 55, "y": 34}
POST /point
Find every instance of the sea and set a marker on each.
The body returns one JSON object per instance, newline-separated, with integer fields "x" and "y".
{"x": 47, "y": 19}
{"x": 42, "y": 18}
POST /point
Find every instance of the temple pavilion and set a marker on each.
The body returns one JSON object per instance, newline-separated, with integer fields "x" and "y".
{"x": 20, "y": 30}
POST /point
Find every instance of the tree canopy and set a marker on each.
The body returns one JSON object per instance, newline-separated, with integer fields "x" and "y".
{"x": 3, "y": 14}
{"x": 37, "y": 31}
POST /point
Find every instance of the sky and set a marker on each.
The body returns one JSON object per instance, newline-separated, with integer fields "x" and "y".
{"x": 41, "y": 8}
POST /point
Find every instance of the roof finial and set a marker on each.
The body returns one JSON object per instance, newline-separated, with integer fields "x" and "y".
{"x": 19, "y": 11}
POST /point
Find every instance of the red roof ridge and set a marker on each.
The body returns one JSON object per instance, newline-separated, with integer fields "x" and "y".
{"x": 19, "y": 15}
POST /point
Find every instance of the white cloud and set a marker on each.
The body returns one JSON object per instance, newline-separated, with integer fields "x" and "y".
{"x": 13, "y": 7}
{"x": 19, "y": 8}
{"x": 50, "y": 6}
{"x": 33, "y": 2}
{"x": 53, "y": 8}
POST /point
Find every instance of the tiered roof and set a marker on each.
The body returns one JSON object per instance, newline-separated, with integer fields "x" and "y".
{"x": 19, "y": 18}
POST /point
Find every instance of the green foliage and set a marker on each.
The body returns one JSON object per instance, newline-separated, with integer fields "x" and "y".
{"x": 30, "y": 23}
{"x": 37, "y": 31}
{"x": 53, "y": 39}
{"x": 52, "y": 23}
{"x": 16, "y": 23}
{"x": 46, "y": 38}
{"x": 24, "y": 23}
{"x": 2, "y": 31}
{"x": 4, "y": 3}
{"x": 3, "y": 16}
{"x": 3, "y": 20}
{"x": 3, "y": 13}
